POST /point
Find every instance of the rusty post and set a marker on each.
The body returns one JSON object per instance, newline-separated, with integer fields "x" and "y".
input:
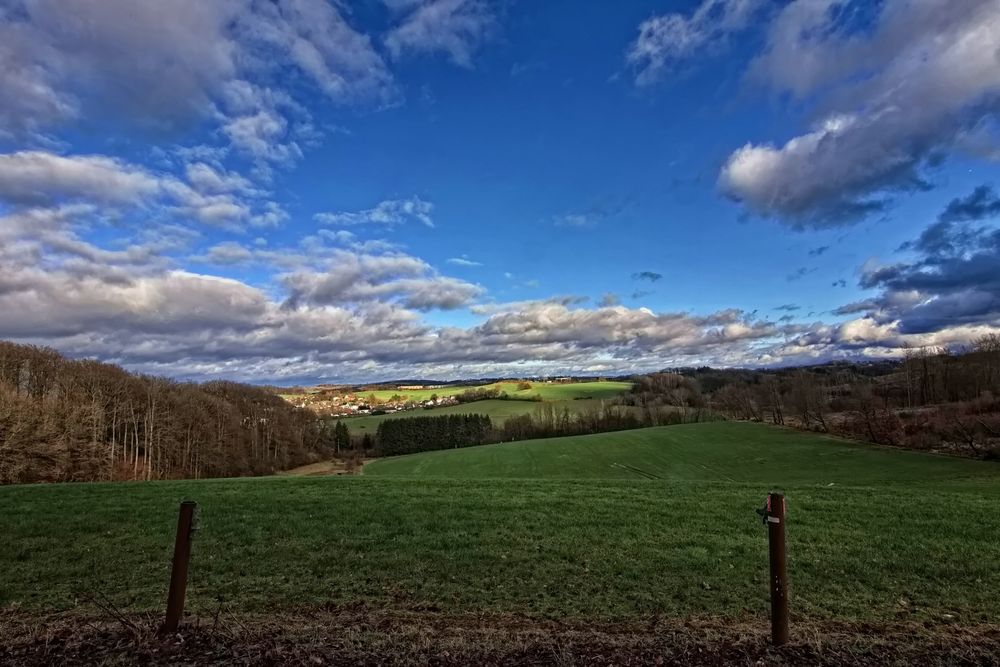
{"x": 179, "y": 570}
{"x": 775, "y": 516}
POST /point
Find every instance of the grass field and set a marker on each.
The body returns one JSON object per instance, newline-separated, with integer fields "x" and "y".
{"x": 548, "y": 392}
{"x": 716, "y": 451}
{"x": 498, "y": 411}
{"x": 896, "y": 535}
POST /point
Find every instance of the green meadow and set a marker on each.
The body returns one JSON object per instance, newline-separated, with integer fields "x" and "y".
{"x": 706, "y": 452}
{"x": 614, "y": 526}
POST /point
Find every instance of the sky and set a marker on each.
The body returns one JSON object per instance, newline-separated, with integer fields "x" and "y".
{"x": 302, "y": 191}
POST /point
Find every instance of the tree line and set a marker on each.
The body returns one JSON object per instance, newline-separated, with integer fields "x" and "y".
{"x": 931, "y": 399}
{"x": 408, "y": 435}
{"x": 70, "y": 420}
{"x": 493, "y": 393}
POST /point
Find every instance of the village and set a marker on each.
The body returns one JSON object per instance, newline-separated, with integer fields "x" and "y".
{"x": 335, "y": 402}
{"x": 340, "y": 400}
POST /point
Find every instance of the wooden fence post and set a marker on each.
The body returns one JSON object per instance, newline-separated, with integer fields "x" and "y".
{"x": 179, "y": 569}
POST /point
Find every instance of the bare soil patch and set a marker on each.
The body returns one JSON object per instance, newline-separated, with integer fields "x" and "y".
{"x": 328, "y": 468}
{"x": 356, "y": 636}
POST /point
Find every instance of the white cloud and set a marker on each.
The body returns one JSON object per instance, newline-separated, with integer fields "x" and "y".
{"x": 166, "y": 65}
{"x": 666, "y": 40}
{"x": 314, "y": 35}
{"x": 463, "y": 261}
{"x": 455, "y": 27}
{"x": 34, "y": 177}
{"x": 153, "y": 62}
{"x": 351, "y": 277}
{"x": 334, "y": 311}
{"x": 389, "y": 213}
{"x": 893, "y": 100}
{"x": 346, "y": 313}
{"x": 271, "y": 215}
{"x": 211, "y": 180}
{"x": 44, "y": 179}
{"x": 262, "y": 135}
{"x": 226, "y": 253}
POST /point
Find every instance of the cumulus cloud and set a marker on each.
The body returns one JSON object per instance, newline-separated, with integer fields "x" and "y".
{"x": 669, "y": 39}
{"x": 891, "y": 101}
{"x": 41, "y": 179}
{"x": 950, "y": 280}
{"x": 620, "y": 331}
{"x": 348, "y": 312}
{"x": 227, "y": 253}
{"x": 351, "y": 277}
{"x": 314, "y": 35}
{"x": 454, "y": 27}
{"x": 183, "y": 323}
{"x": 865, "y": 337}
{"x": 388, "y": 213}
{"x": 262, "y": 135}
{"x": 165, "y": 66}
{"x": 336, "y": 305}
{"x": 58, "y": 47}
{"x": 335, "y": 311}
{"x": 212, "y": 180}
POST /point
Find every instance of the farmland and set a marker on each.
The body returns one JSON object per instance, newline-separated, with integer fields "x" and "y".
{"x": 546, "y": 391}
{"x": 497, "y": 410}
{"x": 345, "y": 402}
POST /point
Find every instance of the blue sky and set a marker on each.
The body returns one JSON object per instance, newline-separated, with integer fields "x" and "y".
{"x": 303, "y": 190}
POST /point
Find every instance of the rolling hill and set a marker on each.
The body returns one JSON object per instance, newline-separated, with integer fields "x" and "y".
{"x": 716, "y": 452}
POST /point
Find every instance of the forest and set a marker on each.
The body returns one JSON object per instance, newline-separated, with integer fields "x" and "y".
{"x": 82, "y": 420}
{"x": 932, "y": 399}
{"x": 408, "y": 435}
{"x": 421, "y": 434}
{"x": 67, "y": 420}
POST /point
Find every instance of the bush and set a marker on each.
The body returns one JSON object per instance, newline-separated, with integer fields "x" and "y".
{"x": 479, "y": 394}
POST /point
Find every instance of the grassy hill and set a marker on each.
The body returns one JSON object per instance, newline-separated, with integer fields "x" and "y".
{"x": 896, "y": 536}
{"x": 717, "y": 451}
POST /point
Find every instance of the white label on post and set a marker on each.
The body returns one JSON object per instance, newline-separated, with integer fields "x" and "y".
{"x": 773, "y": 519}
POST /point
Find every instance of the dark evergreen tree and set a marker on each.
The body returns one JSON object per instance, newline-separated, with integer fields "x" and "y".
{"x": 341, "y": 437}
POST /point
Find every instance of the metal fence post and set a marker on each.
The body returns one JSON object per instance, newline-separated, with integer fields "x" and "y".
{"x": 179, "y": 569}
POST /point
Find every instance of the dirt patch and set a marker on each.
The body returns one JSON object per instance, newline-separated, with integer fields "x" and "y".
{"x": 365, "y": 637}
{"x": 327, "y": 468}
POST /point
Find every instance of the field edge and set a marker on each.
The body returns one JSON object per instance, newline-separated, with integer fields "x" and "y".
{"x": 359, "y": 636}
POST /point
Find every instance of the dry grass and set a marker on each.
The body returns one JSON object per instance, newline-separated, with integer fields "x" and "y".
{"x": 364, "y": 636}
{"x": 345, "y": 466}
